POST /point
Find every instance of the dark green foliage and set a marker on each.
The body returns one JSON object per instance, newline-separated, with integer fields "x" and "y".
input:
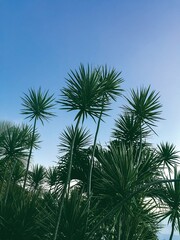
{"x": 89, "y": 89}
{"x": 81, "y": 155}
{"x": 83, "y": 93}
{"x": 38, "y": 105}
{"x": 37, "y": 177}
{"x": 13, "y": 143}
{"x": 128, "y": 129}
{"x": 145, "y": 105}
{"x": 20, "y": 217}
{"x": 121, "y": 191}
{"x": 170, "y": 196}
{"x": 82, "y": 139}
{"x": 168, "y": 155}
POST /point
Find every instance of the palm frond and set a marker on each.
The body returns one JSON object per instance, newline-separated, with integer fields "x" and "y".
{"x": 37, "y": 176}
{"x": 128, "y": 129}
{"x": 82, "y": 139}
{"x": 89, "y": 89}
{"x": 167, "y": 154}
{"x": 13, "y": 144}
{"x": 83, "y": 93}
{"x": 145, "y": 105}
{"x": 38, "y": 105}
{"x": 111, "y": 82}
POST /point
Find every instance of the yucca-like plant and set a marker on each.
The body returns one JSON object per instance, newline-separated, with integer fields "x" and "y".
{"x": 37, "y": 178}
{"x": 81, "y": 154}
{"x": 82, "y": 139}
{"x": 13, "y": 151}
{"x": 52, "y": 179}
{"x": 128, "y": 129}
{"x": 20, "y": 217}
{"x": 125, "y": 197}
{"x": 120, "y": 183}
{"x": 145, "y": 106}
{"x": 74, "y": 217}
{"x": 88, "y": 92}
{"x": 37, "y": 105}
{"x": 83, "y": 94}
{"x": 168, "y": 155}
{"x": 79, "y": 168}
{"x": 111, "y": 88}
{"x": 170, "y": 195}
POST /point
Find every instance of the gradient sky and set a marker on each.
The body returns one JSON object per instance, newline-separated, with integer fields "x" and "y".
{"x": 41, "y": 40}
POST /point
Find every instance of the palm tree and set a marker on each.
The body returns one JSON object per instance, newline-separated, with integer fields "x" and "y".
{"x": 36, "y": 106}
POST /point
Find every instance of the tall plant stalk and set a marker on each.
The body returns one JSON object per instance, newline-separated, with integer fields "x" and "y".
{"x": 66, "y": 189}
{"x": 92, "y": 156}
{"x": 71, "y": 157}
{"x": 30, "y": 154}
{"x": 110, "y": 81}
{"x": 37, "y": 106}
{"x": 83, "y": 93}
{"x": 140, "y": 144}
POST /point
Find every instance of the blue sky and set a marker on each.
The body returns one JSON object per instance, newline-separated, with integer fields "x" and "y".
{"x": 41, "y": 40}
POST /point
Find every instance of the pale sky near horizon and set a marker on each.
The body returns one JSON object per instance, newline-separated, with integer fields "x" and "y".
{"x": 41, "y": 40}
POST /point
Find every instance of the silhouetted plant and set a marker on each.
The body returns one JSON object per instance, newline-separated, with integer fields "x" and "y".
{"x": 36, "y": 106}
